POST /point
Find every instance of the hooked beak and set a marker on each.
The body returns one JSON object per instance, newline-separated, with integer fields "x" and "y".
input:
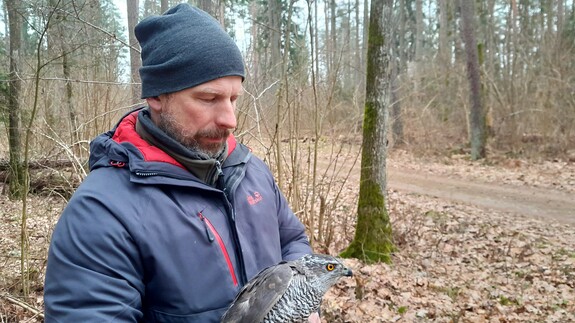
{"x": 347, "y": 272}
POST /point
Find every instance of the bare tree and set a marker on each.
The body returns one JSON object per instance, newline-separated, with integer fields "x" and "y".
{"x": 476, "y": 114}
{"x": 399, "y": 64}
{"x": 17, "y": 177}
{"x": 333, "y": 45}
{"x": 444, "y": 50}
{"x": 396, "y": 115}
{"x": 373, "y": 234}
{"x": 135, "y": 62}
{"x": 418, "y": 43}
{"x": 60, "y": 47}
{"x": 18, "y": 174}
{"x": 274, "y": 31}
{"x": 213, "y": 8}
{"x": 358, "y": 77}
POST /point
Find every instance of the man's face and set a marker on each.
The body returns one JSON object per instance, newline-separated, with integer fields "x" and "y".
{"x": 201, "y": 117}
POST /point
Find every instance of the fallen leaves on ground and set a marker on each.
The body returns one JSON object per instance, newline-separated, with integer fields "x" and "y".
{"x": 459, "y": 263}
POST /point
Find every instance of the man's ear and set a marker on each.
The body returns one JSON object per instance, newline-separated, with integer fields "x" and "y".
{"x": 155, "y": 104}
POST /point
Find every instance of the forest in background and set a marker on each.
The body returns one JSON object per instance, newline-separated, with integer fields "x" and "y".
{"x": 306, "y": 71}
{"x": 67, "y": 76}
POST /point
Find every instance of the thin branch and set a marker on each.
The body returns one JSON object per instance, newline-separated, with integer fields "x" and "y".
{"x": 111, "y": 35}
{"x": 15, "y": 301}
{"x": 71, "y": 80}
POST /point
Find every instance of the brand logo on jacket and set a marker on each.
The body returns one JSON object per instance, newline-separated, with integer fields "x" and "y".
{"x": 255, "y": 198}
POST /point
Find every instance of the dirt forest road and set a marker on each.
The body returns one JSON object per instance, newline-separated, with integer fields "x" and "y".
{"x": 528, "y": 201}
{"x": 545, "y": 204}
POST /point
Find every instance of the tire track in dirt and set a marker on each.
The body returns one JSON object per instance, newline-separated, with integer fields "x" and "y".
{"x": 544, "y": 204}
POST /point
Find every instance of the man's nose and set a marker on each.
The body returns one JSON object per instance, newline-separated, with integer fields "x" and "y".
{"x": 227, "y": 116}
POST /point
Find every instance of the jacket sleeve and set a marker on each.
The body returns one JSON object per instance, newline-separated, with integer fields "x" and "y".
{"x": 94, "y": 272}
{"x": 293, "y": 238}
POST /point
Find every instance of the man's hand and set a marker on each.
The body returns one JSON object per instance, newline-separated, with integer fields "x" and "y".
{"x": 314, "y": 318}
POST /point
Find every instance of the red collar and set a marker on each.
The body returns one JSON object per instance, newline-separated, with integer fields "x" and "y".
{"x": 126, "y": 132}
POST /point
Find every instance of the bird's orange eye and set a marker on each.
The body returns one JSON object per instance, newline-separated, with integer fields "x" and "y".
{"x": 330, "y": 267}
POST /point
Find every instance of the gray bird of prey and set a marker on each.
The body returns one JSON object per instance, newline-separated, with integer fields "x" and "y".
{"x": 288, "y": 292}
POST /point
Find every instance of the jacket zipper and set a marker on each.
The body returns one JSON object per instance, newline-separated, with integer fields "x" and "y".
{"x": 213, "y": 234}
{"x": 222, "y": 185}
{"x": 232, "y": 221}
{"x": 145, "y": 174}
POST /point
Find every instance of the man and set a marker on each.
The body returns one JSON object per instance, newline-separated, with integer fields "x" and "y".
{"x": 175, "y": 215}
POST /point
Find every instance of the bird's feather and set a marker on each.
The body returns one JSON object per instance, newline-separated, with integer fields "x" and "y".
{"x": 258, "y": 297}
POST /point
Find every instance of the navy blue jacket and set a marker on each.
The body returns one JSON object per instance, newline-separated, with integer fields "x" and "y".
{"x": 143, "y": 240}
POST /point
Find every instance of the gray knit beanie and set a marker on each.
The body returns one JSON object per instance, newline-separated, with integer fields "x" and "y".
{"x": 182, "y": 48}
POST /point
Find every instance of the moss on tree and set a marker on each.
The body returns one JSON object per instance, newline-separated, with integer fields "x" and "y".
{"x": 372, "y": 242}
{"x": 373, "y": 236}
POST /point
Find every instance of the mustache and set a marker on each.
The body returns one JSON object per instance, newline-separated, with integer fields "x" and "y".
{"x": 214, "y": 133}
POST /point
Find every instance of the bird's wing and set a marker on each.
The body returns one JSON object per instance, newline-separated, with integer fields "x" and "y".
{"x": 258, "y": 296}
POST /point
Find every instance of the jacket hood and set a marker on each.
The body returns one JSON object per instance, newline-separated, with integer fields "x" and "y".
{"x": 123, "y": 146}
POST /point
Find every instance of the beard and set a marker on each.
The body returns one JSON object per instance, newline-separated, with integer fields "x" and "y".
{"x": 193, "y": 141}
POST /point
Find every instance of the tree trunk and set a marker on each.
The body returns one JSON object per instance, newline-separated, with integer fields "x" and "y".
{"x": 357, "y": 77}
{"x": 316, "y": 41}
{"x": 254, "y": 53}
{"x": 333, "y": 43}
{"x": 560, "y": 21}
{"x": 327, "y": 43}
{"x": 560, "y": 16}
{"x": 151, "y": 7}
{"x": 17, "y": 182}
{"x": 476, "y": 114}
{"x": 365, "y": 35}
{"x": 347, "y": 49}
{"x": 490, "y": 41}
{"x": 396, "y": 115}
{"x": 135, "y": 62}
{"x": 66, "y": 70}
{"x": 444, "y": 50}
{"x": 275, "y": 14}
{"x": 418, "y": 30}
{"x": 418, "y": 43}
{"x": 373, "y": 235}
{"x": 214, "y": 8}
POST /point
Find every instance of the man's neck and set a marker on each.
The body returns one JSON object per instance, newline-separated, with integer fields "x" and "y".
{"x": 200, "y": 165}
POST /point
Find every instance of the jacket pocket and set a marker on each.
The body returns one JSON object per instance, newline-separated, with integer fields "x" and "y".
{"x": 204, "y": 317}
{"x": 213, "y": 236}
